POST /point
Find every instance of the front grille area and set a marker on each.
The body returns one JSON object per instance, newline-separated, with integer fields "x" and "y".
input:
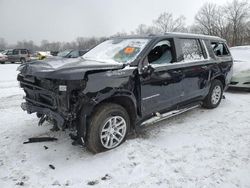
{"x": 39, "y": 92}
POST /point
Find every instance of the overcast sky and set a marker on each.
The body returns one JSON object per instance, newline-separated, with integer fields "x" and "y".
{"x": 64, "y": 20}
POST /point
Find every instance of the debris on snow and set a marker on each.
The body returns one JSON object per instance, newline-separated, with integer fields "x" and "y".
{"x": 52, "y": 166}
{"x": 46, "y": 147}
{"x": 93, "y": 182}
{"x": 20, "y": 183}
{"x": 40, "y": 139}
{"x": 56, "y": 183}
{"x": 106, "y": 177}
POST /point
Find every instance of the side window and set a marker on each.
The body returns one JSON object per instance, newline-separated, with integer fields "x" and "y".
{"x": 161, "y": 53}
{"x": 191, "y": 49}
{"x": 9, "y": 52}
{"x": 15, "y": 52}
{"x": 220, "y": 49}
{"x": 23, "y": 51}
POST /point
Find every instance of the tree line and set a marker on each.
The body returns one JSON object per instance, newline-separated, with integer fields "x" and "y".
{"x": 230, "y": 21}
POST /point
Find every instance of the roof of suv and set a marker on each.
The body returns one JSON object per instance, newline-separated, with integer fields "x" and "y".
{"x": 175, "y": 34}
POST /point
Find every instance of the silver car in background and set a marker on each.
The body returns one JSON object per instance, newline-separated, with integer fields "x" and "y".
{"x": 241, "y": 76}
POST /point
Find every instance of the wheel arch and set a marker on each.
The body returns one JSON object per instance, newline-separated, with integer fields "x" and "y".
{"x": 222, "y": 79}
{"x": 127, "y": 102}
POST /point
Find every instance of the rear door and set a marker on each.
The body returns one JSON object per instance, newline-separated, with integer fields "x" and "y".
{"x": 196, "y": 66}
{"x": 161, "y": 89}
{"x": 14, "y": 56}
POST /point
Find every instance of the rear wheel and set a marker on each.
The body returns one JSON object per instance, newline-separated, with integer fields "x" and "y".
{"x": 108, "y": 128}
{"x": 2, "y": 62}
{"x": 214, "y": 96}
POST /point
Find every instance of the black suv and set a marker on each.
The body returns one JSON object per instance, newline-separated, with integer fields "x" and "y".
{"x": 124, "y": 84}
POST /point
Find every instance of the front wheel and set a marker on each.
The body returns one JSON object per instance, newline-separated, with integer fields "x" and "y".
{"x": 214, "y": 96}
{"x": 108, "y": 128}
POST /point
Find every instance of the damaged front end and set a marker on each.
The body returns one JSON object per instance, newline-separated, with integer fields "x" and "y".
{"x": 57, "y": 91}
{"x": 54, "y": 100}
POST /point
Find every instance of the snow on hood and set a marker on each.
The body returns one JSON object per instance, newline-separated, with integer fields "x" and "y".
{"x": 241, "y": 55}
{"x": 65, "y": 68}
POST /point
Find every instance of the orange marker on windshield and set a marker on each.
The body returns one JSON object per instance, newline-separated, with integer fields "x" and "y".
{"x": 129, "y": 50}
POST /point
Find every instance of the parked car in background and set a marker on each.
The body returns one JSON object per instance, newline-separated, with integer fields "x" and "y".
{"x": 54, "y": 53}
{"x": 71, "y": 53}
{"x": 241, "y": 75}
{"x": 3, "y": 58}
{"x": 18, "y": 55}
{"x": 127, "y": 83}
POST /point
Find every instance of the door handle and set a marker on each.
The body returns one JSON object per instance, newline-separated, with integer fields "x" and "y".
{"x": 177, "y": 72}
{"x": 205, "y": 67}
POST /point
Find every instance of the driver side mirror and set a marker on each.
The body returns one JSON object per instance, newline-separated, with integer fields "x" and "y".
{"x": 147, "y": 70}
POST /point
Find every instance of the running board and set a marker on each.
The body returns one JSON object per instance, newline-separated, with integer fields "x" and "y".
{"x": 161, "y": 117}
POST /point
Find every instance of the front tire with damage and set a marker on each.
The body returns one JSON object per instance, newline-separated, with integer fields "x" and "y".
{"x": 108, "y": 128}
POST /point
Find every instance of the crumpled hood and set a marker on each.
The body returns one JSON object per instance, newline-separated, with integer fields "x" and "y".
{"x": 65, "y": 68}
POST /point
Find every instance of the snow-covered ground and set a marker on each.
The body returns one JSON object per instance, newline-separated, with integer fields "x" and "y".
{"x": 201, "y": 148}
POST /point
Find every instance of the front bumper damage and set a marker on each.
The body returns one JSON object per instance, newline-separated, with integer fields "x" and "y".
{"x": 26, "y": 106}
{"x": 59, "y": 105}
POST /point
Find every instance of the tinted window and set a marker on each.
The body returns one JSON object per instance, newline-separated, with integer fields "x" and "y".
{"x": 161, "y": 53}
{"x": 15, "y": 52}
{"x": 23, "y": 51}
{"x": 9, "y": 52}
{"x": 191, "y": 49}
{"x": 219, "y": 49}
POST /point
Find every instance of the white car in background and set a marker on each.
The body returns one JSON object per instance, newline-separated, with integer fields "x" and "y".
{"x": 3, "y": 58}
{"x": 241, "y": 76}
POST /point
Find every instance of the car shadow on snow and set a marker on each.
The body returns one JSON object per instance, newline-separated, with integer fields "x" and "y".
{"x": 239, "y": 90}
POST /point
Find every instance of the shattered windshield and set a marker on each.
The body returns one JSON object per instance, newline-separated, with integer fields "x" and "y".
{"x": 117, "y": 50}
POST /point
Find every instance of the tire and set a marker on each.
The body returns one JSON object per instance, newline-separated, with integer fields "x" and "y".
{"x": 2, "y": 62}
{"x": 214, "y": 96}
{"x": 12, "y": 62}
{"x": 22, "y": 60}
{"x": 100, "y": 135}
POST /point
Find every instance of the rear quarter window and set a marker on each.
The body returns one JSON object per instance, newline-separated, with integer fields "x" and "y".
{"x": 220, "y": 49}
{"x": 23, "y": 51}
{"x": 191, "y": 50}
{"x": 15, "y": 52}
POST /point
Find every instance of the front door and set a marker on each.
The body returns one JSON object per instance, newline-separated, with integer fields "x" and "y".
{"x": 160, "y": 89}
{"x": 13, "y": 56}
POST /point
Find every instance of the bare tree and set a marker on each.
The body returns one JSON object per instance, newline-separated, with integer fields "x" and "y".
{"x": 167, "y": 23}
{"x": 26, "y": 44}
{"x": 237, "y": 14}
{"x": 143, "y": 29}
{"x": 206, "y": 19}
{"x": 229, "y": 21}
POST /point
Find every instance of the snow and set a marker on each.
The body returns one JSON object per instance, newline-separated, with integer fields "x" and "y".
{"x": 241, "y": 56}
{"x": 201, "y": 148}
